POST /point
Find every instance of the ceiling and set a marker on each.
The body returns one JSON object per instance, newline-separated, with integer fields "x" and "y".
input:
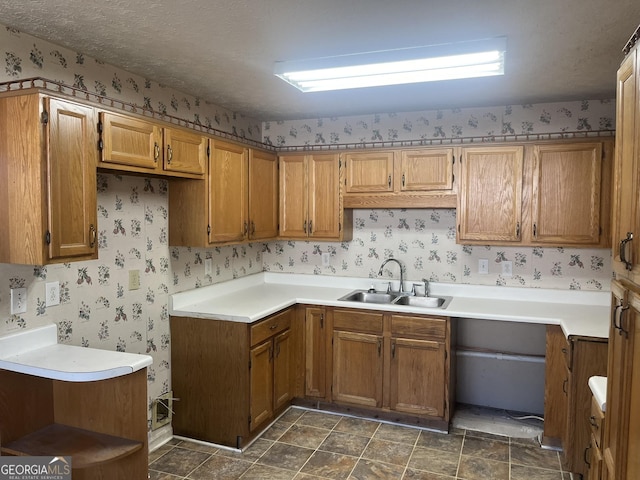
{"x": 224, "y": 50}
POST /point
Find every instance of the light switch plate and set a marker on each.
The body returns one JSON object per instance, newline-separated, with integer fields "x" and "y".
{"x": 326, "y": 259}
{"x": 208, "y": 266}
{"x": 18, "y": 300}
{"x": 507, "y": 268}
{"x": 483, "y": 266}
{"x": 52, "y": 294}
{"x": 134, "y": 279}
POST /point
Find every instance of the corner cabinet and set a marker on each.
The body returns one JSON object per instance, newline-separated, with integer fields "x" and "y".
{"x": 543, "y": 194}
{"x": 48, "y": 158}
{"x": 407, "y": 178}
{"x": 311, "y": 198}
{"x": 133, "y": 144}
{"x": 232, "y": 378}
{"x": 237, "y": 199}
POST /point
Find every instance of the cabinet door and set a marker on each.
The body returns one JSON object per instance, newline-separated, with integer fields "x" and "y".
{"x": 261, "y": 405}
{"x": 490, "y": 194}
{"x": 426, "y": 170}
{"x": 315, "y": 353}
{"x": 228, "y": 193}
{"x": 185, "y": 152}
{"x": 555, "y": 388}
{"x": 625, "y": 182}
{"x": 282, "y": 369}
{"x": 357, "y": 368}
{"x": 418, "y": 376}
{"x": 72, "y": 180}
{"x": 129, "y": 141}
{"x": 566, "y": 193}
{"x": 293, "y": 197}
{"x": 324, "y": 196}
{"x": 263, "y": 195}
{"x": 369, "y": 172}
{"x": 594, "y": 461}
{"x": 622, "y": 435}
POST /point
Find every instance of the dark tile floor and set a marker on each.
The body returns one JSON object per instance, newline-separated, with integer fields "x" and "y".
{"x": 311, "y": 445}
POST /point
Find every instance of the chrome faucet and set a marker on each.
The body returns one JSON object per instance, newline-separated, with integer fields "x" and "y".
{"x": 401, "y": 272}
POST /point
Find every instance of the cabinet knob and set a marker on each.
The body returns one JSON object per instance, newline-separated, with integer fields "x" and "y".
{"x": 592, "y": 421}
{"x": 389, "y": 181}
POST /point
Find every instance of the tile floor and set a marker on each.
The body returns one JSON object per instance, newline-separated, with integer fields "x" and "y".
{"x": 311, "y": 445}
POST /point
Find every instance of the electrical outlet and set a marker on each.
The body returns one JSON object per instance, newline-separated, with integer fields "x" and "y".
{"x": 507, "y": 268}
{"x": 52, "y": 294}
{"x": 208, "y": 266}
{"x": 134, "y": 279}
{"x": 326, "y": 259}
{"x": 18, "y": 300}
{"x": 483, "y": 266}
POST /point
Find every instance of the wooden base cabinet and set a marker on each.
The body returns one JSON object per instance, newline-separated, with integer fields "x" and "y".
{"x": 48, "y": 158}
{"x": 393, "y": 363}
{"x": 315, "y": 352}
{"x": 101, "y": 424}
{"x": 570, "y": 363}
{"x": 232, "y": 378}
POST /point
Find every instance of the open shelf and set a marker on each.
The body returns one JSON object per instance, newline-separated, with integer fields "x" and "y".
{"x": 87, "y": 448}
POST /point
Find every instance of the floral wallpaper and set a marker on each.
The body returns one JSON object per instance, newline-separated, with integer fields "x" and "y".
{"x": 97, "y": 309}
{"x": 480, "y": 124}
{"x": 424, "y": 241}
{"x": 25, "y": 56}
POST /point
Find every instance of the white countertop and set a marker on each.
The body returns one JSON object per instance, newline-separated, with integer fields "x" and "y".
{"x": 36, "y": 352}
{"x": 598, "y": 386}
{"x": 251, "y": 298}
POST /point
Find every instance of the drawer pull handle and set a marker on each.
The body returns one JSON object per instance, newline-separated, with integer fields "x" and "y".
{"x": 273, "y": 327}
{"x": 592, "y": 421}
{"x": 564, "y": 386}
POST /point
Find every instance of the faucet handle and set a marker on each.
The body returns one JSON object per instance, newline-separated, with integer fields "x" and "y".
{"x": 413, "y": 288}
{"x": 426, "y": 287}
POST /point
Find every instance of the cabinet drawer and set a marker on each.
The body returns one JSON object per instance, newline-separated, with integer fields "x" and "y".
{"x": 433, "y": 327}
{"x": 357, "y": 321}
{"x": 267, "y": 328}
{"x": 596, "y": 420}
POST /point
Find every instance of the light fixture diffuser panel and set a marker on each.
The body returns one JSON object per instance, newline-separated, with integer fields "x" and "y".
{"x": 392, "y": 67}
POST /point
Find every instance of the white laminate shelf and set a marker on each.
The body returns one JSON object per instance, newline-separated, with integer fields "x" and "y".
{"x": 36, "y": 352}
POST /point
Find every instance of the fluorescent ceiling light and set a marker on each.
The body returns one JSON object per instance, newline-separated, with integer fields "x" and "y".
{"x": 479, "y": 58}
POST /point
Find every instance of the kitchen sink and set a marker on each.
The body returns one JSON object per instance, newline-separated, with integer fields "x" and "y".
{"x": 425, "y": 302}
{"x": 366, "y": 296}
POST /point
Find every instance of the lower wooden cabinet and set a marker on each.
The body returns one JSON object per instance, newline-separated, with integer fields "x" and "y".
{"x": 395, "y": 363}
{"x": 315, "y": 352}
{"x": 231, "y": 378}
{"x": 570, "y": 363}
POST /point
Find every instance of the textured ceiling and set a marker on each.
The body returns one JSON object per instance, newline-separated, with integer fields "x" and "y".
{"x": 224, "y": 50}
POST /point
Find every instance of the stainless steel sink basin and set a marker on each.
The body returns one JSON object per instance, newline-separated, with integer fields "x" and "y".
{"x": 424, "y": 302}
{"x": 368, "y": 297}
{"x": 365, "y": 296}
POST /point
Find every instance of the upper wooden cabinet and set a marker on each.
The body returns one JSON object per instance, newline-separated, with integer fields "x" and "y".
{"x": 236, "y": 202}
{"x": 137, "y": 145}
{"x": 48, "y": 160}
{"x": 626, "y": 201}
{"x": 490, "y": 197}
{"x": 551, "y": 194}
{"x": 567, "y": 184}
{"x": 311, "y": 198}
{"x": 228, "y": 167}
{"x": 400, "y": 178}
